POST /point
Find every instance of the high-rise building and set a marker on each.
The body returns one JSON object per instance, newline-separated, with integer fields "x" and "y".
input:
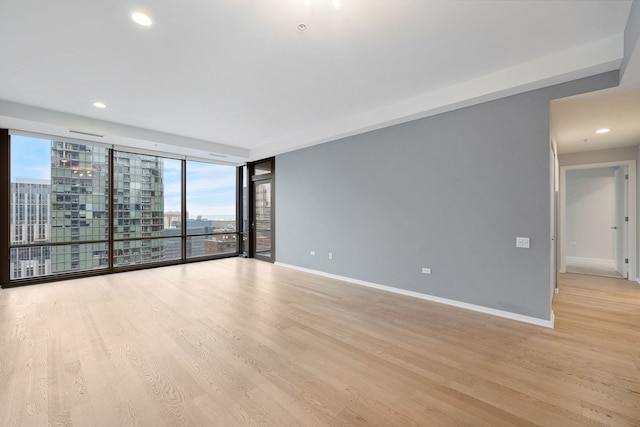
{"x": 80, "y": 207}
{"x": 30, "y": 211}
{"x": 30, "y": 223}
{"x": 138, "y": 203}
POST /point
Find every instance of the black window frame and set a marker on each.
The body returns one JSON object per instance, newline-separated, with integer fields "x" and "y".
{"x": 6, "y": 245}
{"x": 254, "y": 177}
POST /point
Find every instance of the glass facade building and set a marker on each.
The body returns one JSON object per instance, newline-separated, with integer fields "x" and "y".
{"x": 86, "y": 207}
{"x": 79, "y": 206}
{"x": 30, "y": 223}
{"x": 138, "y": 208}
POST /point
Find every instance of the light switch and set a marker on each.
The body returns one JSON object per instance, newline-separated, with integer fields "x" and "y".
{"x": 523, "y": 242}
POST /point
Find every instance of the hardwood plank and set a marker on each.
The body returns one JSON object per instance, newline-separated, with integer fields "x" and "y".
{"x": 241, "y": 342}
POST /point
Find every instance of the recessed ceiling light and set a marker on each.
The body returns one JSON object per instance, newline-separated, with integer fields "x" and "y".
{"x": 302, "y": 27}
{"x": 603, "y": 130}
{"x": 99, "y": 104}
{"x": 141, "y": 19}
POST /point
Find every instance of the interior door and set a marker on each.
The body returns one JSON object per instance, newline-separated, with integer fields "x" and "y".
{"x": 620, "y": 228}
{"x": 262, "y": 226}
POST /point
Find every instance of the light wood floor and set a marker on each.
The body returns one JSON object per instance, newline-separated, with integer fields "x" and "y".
{"x": 580, "y": 266}
{"x": 239, "y": 342}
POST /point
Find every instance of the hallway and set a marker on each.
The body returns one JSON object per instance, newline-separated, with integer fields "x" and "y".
{"x": 600, "y": 308}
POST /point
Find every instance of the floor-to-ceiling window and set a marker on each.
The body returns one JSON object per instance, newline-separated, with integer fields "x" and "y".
{"x": 78, "y": 207}
{"x": 146, "y": 197}
{"x": 243, "y": 223}
{"x": 58, "y": 207}
{"x": 211, "y": 209}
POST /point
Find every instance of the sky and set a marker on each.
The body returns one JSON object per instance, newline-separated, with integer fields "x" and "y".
{"x": 211, "y": 188}
{"x": 30, "y": 158}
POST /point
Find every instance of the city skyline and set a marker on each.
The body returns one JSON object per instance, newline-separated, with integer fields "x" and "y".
{"x": 31, "y": 159}
{"x": 61, "y": 195}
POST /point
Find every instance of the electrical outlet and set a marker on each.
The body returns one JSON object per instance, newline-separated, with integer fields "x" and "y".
{"x": 313, "y": 253}
{"x": 426, "y": 270}
{"x": 330, "y": 255}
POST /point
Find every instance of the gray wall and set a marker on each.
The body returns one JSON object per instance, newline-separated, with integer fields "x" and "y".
{"x": 450, "y": 192}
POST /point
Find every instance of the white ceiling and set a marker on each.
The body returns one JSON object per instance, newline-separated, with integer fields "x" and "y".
{"x": 576, "y": 119}
{"x": 238, "y": 79}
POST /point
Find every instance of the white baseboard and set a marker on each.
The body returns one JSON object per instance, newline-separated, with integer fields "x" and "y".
{"x": 611, "y": 263}
{"x": 454, "y": 303}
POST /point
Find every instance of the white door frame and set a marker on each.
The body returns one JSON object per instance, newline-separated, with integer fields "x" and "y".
{"x": 631, "y": 229}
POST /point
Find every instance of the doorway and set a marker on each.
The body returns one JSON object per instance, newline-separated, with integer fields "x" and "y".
{"x": 598, "y": 220}
{"x": 262, "y": 210}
